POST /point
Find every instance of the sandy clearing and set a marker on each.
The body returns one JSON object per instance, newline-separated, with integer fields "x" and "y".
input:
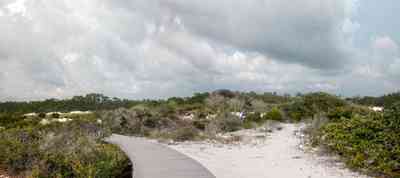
{"x": 278, "y": 155}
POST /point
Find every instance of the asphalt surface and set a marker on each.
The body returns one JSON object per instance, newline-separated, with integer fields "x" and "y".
{"x": 153, "y": 160}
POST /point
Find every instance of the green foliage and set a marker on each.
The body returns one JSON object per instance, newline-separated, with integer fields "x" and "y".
{"x": 274, "y": 114}
{"x": 249, "y": 124}
{"x": 392, "y": 117}
{"x": 198, "y": 98}
{"x": 83, "y": 103}
{"x": 322, "y": 101}
{"x": 151, "y": 122}
{"x": 227, "y": 122}
{"x": 254, "y": 117}
{"x": 310, "y": 104}
{"x": 369, "y": 141}
{"x": 274, "y": 98}
{"x": 17, "y": 146}
{"x": 55, "y": 115}
{"x": 42, "y": 115}
{"x": 295, "y": 110}
{"x": 11, "y": 121}
{"x": 71, "y": 149}
{"x": 137, "y": 121}
{"x": 225, "y": 93}
{"x": 347, "y": 112}
{"x": 365, "y": 139}
{"x": 201, "y": 124}
{"x": 386, "y": 100}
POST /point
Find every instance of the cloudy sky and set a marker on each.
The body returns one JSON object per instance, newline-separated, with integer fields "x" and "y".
{"x": 160, "y": 48}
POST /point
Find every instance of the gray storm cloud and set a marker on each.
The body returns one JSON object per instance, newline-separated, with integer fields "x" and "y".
{"x": 160, "y": 48}
{"x": 305, "y": 32}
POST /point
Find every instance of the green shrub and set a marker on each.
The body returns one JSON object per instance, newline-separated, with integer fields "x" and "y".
{"x": 201, "y": 124}
{"x": 347, "y": 112}
{"x": 296, "y": 116}
{"x": 254, "y": 117}
{"x": 72, "y": 149}
{"x": 370, "y": 141}
{"x": 392, "y": 117}
{"x": 42, "y": 115}
{"x": 125, "y": 121}
{"x": 249, "y": 124}
{"x": 296, "y": 110}
{"x": 18, "y": 148}
{"x": 313, "y": 103}
{"x": 111, "y": 161}
{"x": 55, "y": 115}
{"x": 227, "y": 122}
{"x": 12, "y": 121}
{"x": 274, "y": 114}
{"x": 151, "y": 122}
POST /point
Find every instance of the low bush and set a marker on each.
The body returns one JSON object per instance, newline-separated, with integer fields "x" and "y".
{"x": 275, "y": 114}
{"x": 370, "y": 141}
{"x": 305, "y": 107}
{"x": 201, "y": 124}
{"x": 151, "y": 122}
{"x": 249, "y": 124}
{"x": 42, "y": 115}
{"x": 73, "y": 149}
{"x": 348, "y": 112}
{"x": 55, "y": 115}
{"x": 18, "y": 147}
{"x": 254, "y": 117}
{"x": 12, "y": 121}
{"x": 125, "y": 121}
{"x": 227, "y": 122}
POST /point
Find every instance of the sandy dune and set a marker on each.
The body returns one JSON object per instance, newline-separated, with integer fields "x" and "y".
{"x": 280, "y": 154}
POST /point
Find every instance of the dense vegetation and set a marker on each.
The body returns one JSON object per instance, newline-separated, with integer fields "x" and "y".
{"x": 385, "y": 100}
{"x": 34, "y": 148}
{"x": 77, "y": 103}
{"x": 365, "y": 139}
{"x": 71, "y": 149}
{"x": 307, "y": 106}
{"x": 201, "y": 116}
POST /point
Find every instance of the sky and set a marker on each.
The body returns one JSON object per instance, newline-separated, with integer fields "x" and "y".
{"x": 161, "y": 48}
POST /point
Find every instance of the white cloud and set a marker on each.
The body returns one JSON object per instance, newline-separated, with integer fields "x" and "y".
{"x": 17, "y": 8}
{"x": 155, "y": 48}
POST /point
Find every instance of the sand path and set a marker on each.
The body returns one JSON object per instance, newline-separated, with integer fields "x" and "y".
{"x": 277, "y": 155}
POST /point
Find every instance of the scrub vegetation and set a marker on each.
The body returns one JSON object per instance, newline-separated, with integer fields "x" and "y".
{"x": 365, "y": 140}
{"x": 62, "y": 145}
{"x": 29, "y": 148}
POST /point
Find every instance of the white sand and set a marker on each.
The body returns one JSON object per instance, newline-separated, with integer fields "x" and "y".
{"x": 276, "y": 156}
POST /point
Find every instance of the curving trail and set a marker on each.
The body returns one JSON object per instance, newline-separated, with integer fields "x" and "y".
{"x": 153, "y": 160}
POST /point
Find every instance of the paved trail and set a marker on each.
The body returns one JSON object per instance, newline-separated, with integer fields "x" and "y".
{"x": 153, "y": 160}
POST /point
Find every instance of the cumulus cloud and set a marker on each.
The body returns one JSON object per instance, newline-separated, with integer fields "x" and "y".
{"x": 160, "y": 48}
